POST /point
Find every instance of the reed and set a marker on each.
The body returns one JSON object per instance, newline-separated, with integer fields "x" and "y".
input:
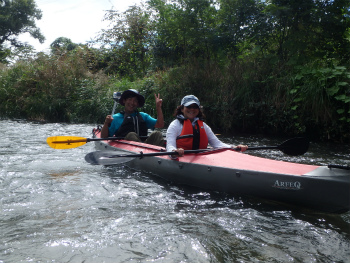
{"x": 236, "y": 96}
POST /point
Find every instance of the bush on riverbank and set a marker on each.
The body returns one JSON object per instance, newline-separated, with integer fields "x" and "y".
{"x": 57, "y": 88}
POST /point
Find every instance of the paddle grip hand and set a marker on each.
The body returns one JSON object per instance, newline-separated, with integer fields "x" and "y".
{"x": 240, "y": 148}
{"x": 180, "y": 152}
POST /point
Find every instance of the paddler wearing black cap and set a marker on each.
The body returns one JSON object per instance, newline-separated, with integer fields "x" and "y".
{"x": 132, "y": 124}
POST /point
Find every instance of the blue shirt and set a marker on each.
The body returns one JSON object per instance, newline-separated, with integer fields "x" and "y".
{"x": 119, "y": 118}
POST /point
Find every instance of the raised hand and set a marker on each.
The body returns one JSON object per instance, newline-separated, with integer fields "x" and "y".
{"x": 159, "y": 101}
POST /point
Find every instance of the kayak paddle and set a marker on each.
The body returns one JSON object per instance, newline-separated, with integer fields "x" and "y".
{"x": 68, "y": 142}
{"x": 295, "y": 146}
{"x": 115, "y": 157}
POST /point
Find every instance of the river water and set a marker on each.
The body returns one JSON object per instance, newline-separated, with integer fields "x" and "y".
{"x": 55, "y": 207}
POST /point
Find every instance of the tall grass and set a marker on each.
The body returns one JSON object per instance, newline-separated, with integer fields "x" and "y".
{"x": 236, "y": 97}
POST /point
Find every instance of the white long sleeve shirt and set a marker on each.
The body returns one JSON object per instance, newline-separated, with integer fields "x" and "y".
{"x": 175, "y": 128}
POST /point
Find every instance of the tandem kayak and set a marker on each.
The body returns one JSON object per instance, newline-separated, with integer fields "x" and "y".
{"x": 324, "y": 188}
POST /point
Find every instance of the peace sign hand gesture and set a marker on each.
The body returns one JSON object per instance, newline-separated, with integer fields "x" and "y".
{"x": 159, "y": 101}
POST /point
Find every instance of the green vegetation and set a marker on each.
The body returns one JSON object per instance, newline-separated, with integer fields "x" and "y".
{"x": 269, "y": 67}
{"x": 17, "y": 17}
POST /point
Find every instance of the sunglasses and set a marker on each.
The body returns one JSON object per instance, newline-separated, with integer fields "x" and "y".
{"x": 192, "y": 106}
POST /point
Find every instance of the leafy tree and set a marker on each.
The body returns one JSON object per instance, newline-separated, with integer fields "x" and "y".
{"x": 185, "y": 28}
{"x": 125, "y": 45}
{"x": 17, "y": 17}
{"x": 333, "y": 28}
{"x": 239, "y": 21}
{"x": 62, "y": 43}
{"x": 307, "y": 29}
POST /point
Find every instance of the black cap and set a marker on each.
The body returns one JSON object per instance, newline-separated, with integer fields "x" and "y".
{"x": 132, "y": 93}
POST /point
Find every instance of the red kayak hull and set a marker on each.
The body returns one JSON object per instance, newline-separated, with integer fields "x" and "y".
{"x": 315, "y": 187}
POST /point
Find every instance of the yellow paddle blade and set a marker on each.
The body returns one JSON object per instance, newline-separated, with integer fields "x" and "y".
{"x": 65, "y": 142}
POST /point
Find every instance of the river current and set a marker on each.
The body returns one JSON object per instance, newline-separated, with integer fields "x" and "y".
{"x": 55, "y": 207}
